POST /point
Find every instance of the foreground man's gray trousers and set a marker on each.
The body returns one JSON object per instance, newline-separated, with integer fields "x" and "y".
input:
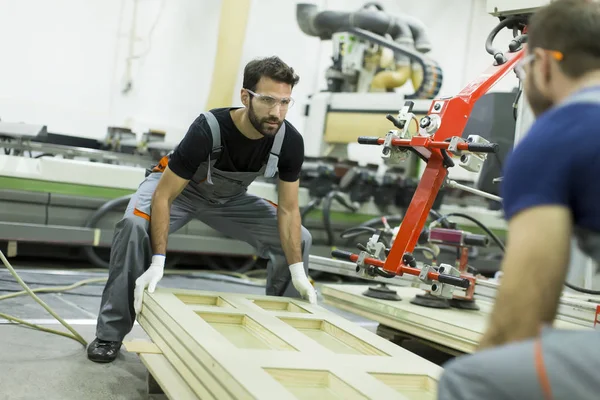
{"x": 560, "y": 365}
{"x": 246, "y": 218}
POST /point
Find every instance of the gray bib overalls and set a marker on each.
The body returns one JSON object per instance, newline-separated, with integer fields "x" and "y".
{"x": 217, "y": 198}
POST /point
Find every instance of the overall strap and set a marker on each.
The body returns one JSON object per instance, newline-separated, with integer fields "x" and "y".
{"x": 274, "y": 154}
{"x": 215, "y": 130}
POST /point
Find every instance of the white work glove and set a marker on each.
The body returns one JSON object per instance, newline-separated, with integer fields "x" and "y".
{"x": 149, "y": 278}
{"x": 302, "y": 284}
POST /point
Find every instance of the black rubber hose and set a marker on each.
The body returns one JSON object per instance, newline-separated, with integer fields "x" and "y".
{"x": 383, "y": 273}
{"x": 487, "y": 230}
{"x": 501, "y": 245}
{"x": 357, "y": 231}
{"x": 582, "y": 290}
{"x": 489, "y": 43}
{"x": 309, "y": 207}
{"x": 334, "y": 194}
{"x": 93, "y": 220}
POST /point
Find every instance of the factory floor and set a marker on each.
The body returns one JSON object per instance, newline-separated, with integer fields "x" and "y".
{"x": 40, "y": 365}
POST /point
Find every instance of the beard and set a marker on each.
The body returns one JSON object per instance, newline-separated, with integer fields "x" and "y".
{"x": 262, "y": 124}
{"x": 538, "y": 102}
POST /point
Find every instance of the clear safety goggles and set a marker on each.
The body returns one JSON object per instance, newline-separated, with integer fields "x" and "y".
{"x": 270, "y": 101}
{"x": 528, "y": 59}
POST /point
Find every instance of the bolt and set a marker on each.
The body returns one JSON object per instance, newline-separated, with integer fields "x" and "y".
{"x": 434, "y": 287}
{"x": 441, "y": 270}
{"x": 437, "y": 106}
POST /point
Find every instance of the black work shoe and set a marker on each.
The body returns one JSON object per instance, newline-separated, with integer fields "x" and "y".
{"x": 102, "y": 351}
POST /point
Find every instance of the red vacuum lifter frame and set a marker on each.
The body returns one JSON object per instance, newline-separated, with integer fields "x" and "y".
{"x": 454, "y": 113}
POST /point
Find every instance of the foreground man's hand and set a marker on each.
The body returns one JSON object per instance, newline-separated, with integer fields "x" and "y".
{"x": 149, "y": 279}
{"x": 302, "y": 284}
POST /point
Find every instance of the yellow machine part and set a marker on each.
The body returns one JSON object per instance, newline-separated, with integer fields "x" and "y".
{"x": 391, "y": 79}
{"x": 385, "y": 80}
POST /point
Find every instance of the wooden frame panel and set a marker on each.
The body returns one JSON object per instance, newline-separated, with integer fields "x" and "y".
{"x": 232, "y": 346}
{"x": 453, "y": 328}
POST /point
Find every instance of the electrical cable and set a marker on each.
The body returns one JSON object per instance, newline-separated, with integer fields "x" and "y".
{"x": 334, "y": 194}
{"x": 582, "y": 290}
{"x": 501, "y": 245}
{"x": 75, "y": 336}
{"x": 353, "y": 232}
{"x": 62, "y": 293}
{"x": 309, "y": 207}
{"x": 91, "y": 222}
{"x": 516, "y": 102}
{"x": 235, "y": 278}
{"x": 49, "y": 284}
{"x": 487, "y": 230}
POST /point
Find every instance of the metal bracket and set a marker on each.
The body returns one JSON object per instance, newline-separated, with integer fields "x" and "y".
{"x": 452, "y": 147}
{"x": 424, "y": 272}
{"x": 444, "y": 290}
{"x": 390, "y": 154}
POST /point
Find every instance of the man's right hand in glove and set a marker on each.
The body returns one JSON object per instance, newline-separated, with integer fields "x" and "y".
{"x": 148, "y": 279}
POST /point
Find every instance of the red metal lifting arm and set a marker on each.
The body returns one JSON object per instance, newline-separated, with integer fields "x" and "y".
{"x": 454, "y": 113}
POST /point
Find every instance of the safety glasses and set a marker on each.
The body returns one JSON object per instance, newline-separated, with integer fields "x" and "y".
{"x": 270, "y": 101}
{"x": 528, "y": 59}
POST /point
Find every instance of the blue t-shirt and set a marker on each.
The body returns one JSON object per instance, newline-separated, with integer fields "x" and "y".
{"x": 558, "y": 162}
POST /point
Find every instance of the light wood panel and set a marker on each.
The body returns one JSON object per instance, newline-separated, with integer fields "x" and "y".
{"x": 233, "y": 22}
{"x": 229, "y": 346}
{"x": 457, "y": 329}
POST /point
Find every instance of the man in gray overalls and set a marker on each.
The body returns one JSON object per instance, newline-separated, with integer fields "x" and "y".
{"x": 551, "y": 191}
{"x": 207, "y": 177}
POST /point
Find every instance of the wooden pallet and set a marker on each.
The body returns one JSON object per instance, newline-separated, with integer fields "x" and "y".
{"x": 452, "y": 328}
{"x": 222, "y": 346}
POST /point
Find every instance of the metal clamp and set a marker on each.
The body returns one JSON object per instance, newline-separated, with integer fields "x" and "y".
{"x": 391, "y": 154}
{"x": 474, "y": 161}
{"x": 441, "y": 289}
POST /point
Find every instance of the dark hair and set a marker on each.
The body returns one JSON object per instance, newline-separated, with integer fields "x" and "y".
{"x": 571, "y": 27}
{"x": 270, "y": 67}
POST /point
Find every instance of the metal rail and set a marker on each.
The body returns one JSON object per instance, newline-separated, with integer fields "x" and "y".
{"x": 575, "y": 308}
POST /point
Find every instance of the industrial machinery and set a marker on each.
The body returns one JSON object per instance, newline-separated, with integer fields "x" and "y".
{"x": 374, "y": 53}
{"x": 440, "y": 143}
{"x": 373, "y": 50}
{"x": 61, "y": 196}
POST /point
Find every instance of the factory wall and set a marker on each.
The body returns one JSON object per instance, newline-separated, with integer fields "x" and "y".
{"x": 72, "y": 65}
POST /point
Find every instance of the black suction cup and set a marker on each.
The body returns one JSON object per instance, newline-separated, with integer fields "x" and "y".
{"x": 464, "y": 304}
{"x": 382, "y": 292}
{"x": 428, "y": 300}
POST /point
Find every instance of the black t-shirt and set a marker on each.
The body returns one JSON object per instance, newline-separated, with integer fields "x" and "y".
{"x": 239, "y": 153}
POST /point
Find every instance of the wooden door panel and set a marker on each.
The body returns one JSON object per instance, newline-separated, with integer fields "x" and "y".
{"x": 233, "y": 346}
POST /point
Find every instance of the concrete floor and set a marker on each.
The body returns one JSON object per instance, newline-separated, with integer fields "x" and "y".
{"x": 40, "y": 365}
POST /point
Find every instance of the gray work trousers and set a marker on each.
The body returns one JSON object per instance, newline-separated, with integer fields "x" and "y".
{"x": 559, "y": 365}
{"x": 247, "y": 218}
